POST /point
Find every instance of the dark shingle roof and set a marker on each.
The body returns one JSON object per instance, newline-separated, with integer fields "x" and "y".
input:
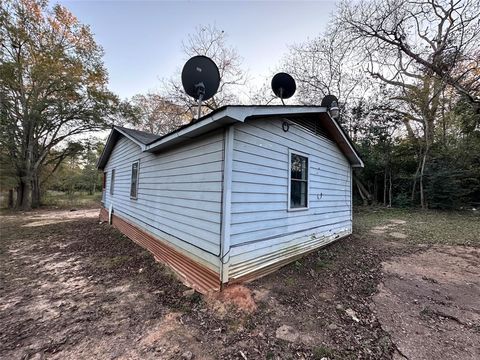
{"x": 141, "y": 136}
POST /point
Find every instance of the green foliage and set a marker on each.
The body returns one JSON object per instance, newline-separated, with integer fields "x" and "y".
{"x": 453, "y": 176}
{"x": 53, "y": 88}
{"x": 444, "y": 185}
{"x": 402, "y": 200}
{"x": 78, "y": 171}
{"x": 452, "y": 172}
{"x": 71, "y": 200}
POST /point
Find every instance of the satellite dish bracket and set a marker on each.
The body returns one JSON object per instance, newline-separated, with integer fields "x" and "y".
{"x": 200, "y": 89}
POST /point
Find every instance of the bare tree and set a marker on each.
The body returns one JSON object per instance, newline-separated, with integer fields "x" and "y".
{"x": 326, "y": 65}
{"x": 419, "y": 48}
{"x": 157, "y": 115}
{"x": 212, "y": 42}
{"x": 438, "y": 37}
{"x": 329, "y": 64}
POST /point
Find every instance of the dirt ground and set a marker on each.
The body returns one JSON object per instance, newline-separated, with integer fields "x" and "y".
{"x": 73, "y": 288}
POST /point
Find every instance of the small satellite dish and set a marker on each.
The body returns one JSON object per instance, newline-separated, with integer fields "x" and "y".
{"x": 328, "y": 100}
{"x": 331, "y": 103}
{"x": 283, "y": 86}
{"x": 200, "y": 78}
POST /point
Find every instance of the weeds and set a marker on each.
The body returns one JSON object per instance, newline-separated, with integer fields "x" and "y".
{"x": 321, "y": 352}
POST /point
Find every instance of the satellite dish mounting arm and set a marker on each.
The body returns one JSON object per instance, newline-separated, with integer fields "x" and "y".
{"x": 200, "y": 90}
{"x": 281, "y": 96}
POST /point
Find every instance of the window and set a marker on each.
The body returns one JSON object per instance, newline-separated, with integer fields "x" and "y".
{"x": 104, "y": 186}
{"x": 298, "y": 197}
{"x": 134, "y": 181}
{"x": 112, "y": 182}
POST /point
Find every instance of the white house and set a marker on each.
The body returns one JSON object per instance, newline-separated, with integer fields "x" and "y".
{"x": 233, "y": 195}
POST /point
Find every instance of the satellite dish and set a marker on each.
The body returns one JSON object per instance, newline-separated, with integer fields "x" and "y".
{"x": 200, "y": 78}
{"x": 331, "y": 103}
{"x": 283, "y": 86}
{"x": 328, "y": 100}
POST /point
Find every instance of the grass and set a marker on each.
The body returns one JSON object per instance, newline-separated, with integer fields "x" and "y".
{"x": 113, "y": 262}
{"x": 322, "y": 264}
{"x": 321, "y": 352}
{"x": 423, "y": 226}
{"x": 77, "y": 199}
{"x": 290, "y": 281}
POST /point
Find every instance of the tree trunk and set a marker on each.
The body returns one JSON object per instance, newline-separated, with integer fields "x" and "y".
{"x": 10, "y": 198}
{"x": 19, "y": 190}
{"x": 36, "y": 192}
{"x": 365, "y": 195}
{"x": 385, "y": 187}
{"x": 26, "y": 199}
{"x": 422, "y": 171}
{"x": 390, "y": 190}
{"x": 415, "y": 177}
{"x": 25, "y": 191}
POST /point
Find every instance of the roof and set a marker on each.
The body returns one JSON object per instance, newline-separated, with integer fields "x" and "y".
{"x": 225, "y": 116}
{"x": 141, "y": 136}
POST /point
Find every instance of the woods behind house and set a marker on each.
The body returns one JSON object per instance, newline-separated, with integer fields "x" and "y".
{"x": 407, "y": 74}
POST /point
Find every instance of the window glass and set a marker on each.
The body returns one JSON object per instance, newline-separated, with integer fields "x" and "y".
{"x": 134, "y": 181}
{"x": 112, "y": 181}
{"x": 298, "y": 181}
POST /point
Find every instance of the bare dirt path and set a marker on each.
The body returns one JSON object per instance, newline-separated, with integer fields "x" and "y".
{"x": 429, "y": 302}
{"x": 72, "y": 288}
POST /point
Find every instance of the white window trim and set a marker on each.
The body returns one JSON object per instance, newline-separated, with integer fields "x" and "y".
{"x": 138, "y": 177}
{"x": 290, "y": 153}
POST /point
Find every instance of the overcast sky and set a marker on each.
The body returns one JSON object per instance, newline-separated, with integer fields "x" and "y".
{"x": 143, "y": 39}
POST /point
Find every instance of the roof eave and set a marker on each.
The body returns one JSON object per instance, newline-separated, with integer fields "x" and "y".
{"x": 102, "y": 160}
{"x": 351, "y": 153}
{"x": 230, "y": 115}
{"x": 227, "y": 116}
{"x": 112, "y": 139}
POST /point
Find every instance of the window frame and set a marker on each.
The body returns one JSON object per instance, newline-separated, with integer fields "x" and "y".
{"x": 289, "y": 195}
{"x": 136, "y": 180}
{"x": 112, "y": 182}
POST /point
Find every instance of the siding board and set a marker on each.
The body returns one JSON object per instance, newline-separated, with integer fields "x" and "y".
{"x": 263, "y": 230}
{"x": 179, "y": 193}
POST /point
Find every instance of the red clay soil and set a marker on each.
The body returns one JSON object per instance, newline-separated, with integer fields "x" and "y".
{"x": 73, "y": 288}
{"x": 237, "y": 296}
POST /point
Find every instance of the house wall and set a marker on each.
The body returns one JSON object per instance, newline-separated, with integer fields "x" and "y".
{"x": 179, "y": 194}
{"x": 263, "y": 232}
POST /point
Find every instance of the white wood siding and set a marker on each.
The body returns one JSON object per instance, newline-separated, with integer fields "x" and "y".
{"x": 262, "y": 229}
{"x": 179, "y": 194}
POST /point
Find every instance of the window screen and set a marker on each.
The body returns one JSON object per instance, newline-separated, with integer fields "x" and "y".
{"x": 298, "y": 181}
{"x": 134, "y": 181}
